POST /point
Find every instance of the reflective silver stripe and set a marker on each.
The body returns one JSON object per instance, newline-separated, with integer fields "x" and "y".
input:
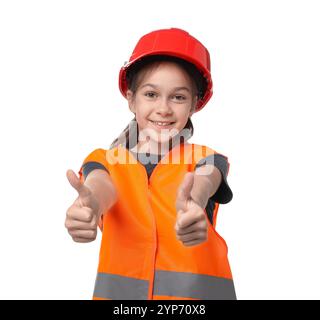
{"x": 111, "y": 286}
{"x": 191, "y": 285}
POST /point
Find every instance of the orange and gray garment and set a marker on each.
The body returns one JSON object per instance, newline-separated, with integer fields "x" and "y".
{"x": 140, "y": 255}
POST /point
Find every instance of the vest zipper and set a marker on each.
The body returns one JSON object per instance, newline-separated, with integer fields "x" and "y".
{"x": 151, "y": 283}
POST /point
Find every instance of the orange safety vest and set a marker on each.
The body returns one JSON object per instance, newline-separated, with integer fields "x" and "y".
{"x": 140, "y": 255}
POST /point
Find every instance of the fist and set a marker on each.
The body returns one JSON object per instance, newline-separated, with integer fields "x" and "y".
{"x": 82, "y": 216}
{"x": 191, "y": 224}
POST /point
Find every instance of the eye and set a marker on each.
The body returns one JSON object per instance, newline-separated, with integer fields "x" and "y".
{"x": 179, "y": 97}
{"x": 150, "y": 94}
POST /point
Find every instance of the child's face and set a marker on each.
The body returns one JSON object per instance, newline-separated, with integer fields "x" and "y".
{"x": 165, "y": 94}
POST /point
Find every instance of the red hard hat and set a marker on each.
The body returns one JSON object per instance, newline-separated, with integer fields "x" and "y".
{"x": 172, "y": 42}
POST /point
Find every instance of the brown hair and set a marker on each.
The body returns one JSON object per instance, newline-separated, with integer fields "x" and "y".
{"x": 129, "y": 136}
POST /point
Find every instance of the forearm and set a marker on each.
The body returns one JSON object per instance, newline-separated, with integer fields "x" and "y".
{"x": 101, "y": 185}
{"x": 207, "y": 180}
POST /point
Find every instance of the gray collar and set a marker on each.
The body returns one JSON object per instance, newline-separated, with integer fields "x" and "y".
{"x": 147, "y": 158}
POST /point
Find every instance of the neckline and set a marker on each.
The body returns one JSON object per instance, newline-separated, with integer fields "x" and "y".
{"x": 158, "y": 164}
{"x": 150, "y": 154}
{"x": 146, "y": 158}
{"x": 131, "y": 153}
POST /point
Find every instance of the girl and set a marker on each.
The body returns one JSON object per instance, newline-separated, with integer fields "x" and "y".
{"x": 155, "y": 196}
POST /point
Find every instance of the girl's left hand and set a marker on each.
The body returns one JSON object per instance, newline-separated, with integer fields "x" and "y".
{"x": 191, "y": 225}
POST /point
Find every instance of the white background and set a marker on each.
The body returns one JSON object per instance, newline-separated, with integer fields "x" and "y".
{"x": 59, "y": 100}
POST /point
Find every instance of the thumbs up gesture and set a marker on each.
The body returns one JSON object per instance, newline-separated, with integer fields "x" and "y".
{"x": 82, "y": 216}
{"x": 191, "y": 224}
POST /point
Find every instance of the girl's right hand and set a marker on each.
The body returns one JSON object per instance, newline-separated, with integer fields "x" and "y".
{"x": 83, "y": 215}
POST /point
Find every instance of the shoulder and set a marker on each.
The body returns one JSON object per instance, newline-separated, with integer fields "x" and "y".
{"x": 96, "y": 159}
{"x": 201, "y": 150}
{"x": 203, "y": 154}
{"x": 98, "y": 154}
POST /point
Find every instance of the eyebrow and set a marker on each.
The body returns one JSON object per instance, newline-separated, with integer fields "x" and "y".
{"x": 156, "y": 87}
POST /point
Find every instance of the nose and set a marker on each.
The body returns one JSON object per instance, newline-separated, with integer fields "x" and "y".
{"x": 163, "y": 107}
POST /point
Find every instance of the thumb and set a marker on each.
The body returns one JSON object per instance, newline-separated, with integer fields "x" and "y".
{"x": 184, "y": 192}
{"x": 77, "y": 184}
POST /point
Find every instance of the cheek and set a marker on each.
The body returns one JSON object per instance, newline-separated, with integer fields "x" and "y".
{"x": 142, "y": 119}
{"x": 182, "y": 117}
{"x": 142, "y": 113}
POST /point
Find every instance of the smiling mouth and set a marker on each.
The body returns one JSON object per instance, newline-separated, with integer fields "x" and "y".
{"x": 162, "y": 123}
